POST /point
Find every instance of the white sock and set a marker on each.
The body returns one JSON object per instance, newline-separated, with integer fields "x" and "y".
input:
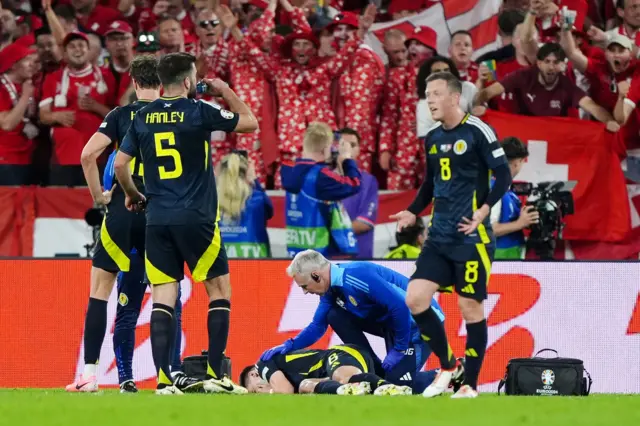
{"x": 90, "y": 370}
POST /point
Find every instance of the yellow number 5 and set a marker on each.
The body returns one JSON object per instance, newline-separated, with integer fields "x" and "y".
{"x": 445, "y": 168}
{"x": 168, "y": 152}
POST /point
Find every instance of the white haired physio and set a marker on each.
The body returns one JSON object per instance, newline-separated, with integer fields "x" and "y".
{"x": 305, "y": 262}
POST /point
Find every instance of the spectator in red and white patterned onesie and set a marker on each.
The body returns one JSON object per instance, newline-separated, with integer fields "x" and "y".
{"x": 398, "y": 139}
{"x": 360, "y": 89}
{"x": 233, "y": 64}
{"x": 303, "y": 86}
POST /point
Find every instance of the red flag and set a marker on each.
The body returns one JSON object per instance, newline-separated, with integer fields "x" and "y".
{"x": 570, "y": 149}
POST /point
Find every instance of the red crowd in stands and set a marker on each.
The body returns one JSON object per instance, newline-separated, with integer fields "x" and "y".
{"x": 63, "y": 66}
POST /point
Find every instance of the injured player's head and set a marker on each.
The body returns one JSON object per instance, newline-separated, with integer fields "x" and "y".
{"x": 251, "y": 380}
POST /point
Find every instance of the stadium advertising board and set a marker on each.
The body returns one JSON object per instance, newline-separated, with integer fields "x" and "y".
{"x": 583, "y": 310}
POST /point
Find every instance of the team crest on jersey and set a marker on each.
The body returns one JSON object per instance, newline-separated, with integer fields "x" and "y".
{"x": 445, "y": 148}
{"x": 123, "y": 300}
{"x": 353, "y": 301}
{"x": 460, "y": 147}
{"x": 226, "y": 114}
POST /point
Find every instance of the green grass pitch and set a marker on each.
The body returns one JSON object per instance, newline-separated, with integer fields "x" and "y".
{"x": 53, "y": 407}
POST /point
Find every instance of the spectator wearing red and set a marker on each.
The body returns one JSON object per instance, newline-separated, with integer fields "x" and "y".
{"x": 461, "y": 51}
{"x": 303, "y": 86}
{"x": 75, "y": 99}
{"x": 147, "y": 19}
{"x": 603, "y": 74}
{"x": 252, "y": 10}
{"x": 398, "y": 139}
{"x": 207, "y": 31}
{"x": 628, "y": 12}
{"x": 118, "y": 40}
{"x": 548, "y": 14}
{"x": 150, "y": 19}
{"x": 422, "y": 44}
{"x": 544, "y": 91}
{"x": 94, "y": 17}
{"x": 360, "y": 88}
{"x": 627, "y": 113}
{"x": 233, "y": 64}
{"x": 17, "y": 109}
{"x": 327, "y": 47}
{"x": 26, "y": 23}
{"x": 172, "y": 38}
{"x": 395, "y": 48}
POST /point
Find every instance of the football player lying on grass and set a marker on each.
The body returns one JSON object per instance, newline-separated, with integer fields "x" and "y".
{"x": 339, "y": 370}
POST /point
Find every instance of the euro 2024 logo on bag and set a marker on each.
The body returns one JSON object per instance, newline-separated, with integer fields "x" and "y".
{"x": 548, "y": 377}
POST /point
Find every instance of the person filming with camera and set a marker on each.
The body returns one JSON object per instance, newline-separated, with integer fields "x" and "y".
{"x": 315, "y": 217}
{"x": 508, "y": 217}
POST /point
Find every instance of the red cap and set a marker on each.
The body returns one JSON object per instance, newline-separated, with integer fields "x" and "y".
{"x": 424, "y": 35}
{"x": 344, "y": 18}
{"x": 73, "y": 35}
{"x": 262, "y": 4}
{"x": 27, "y": 40}
{"x": 285, "y": 48}
{"x": 118, "y": 27}
{"x": 12, "y": 54}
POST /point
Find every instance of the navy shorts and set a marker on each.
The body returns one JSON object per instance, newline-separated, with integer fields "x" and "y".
{"x": 169, "y": 247}
{"x": 465, "y": 267}
{"x": 352, "y": 355}
{"x": 121, "y": 231}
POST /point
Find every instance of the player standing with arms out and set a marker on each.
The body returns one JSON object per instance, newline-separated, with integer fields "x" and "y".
{"x": 172, "y": 135}
{"x": 461, "y": 153}
{"x": 121, "y": 230}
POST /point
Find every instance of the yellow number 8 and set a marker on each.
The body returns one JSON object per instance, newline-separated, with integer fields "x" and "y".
{"x": 445, "y": 168}
{"x": 471, "y": 271}
{"x": 333, "y": 359}
{"x": 168, "y": 152}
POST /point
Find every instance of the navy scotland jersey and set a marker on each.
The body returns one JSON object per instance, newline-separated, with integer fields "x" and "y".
{"x": 115, "y": 126}
{"x": 459, "y": 163}
{"x": 173, "y": 136}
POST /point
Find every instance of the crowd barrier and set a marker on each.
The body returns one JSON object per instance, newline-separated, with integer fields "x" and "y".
{"x": 587, "y": 310}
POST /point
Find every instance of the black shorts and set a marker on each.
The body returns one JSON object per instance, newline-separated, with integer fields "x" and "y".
{"x": 170, "y": 246}
{"x": 341, "y": 355}
{"x": 466, "y": 267}
{"x": 121, "y": 231}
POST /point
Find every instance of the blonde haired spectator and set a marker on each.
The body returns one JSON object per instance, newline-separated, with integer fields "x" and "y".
{"x": 244, "y": 206}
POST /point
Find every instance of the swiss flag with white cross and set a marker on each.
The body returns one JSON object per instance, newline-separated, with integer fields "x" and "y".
{"x": 569, "y": 149}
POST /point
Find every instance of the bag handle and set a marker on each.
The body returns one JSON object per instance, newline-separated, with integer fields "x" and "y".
{"x": 588, "y": 381}
{"x": 501, "y": 385}
{"x": 545, "y": 350}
